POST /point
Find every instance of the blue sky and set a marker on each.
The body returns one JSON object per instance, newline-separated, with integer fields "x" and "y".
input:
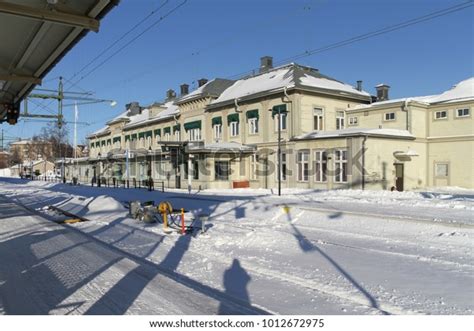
{"x": 212, "y": 38}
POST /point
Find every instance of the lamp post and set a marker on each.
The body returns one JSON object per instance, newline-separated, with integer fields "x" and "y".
{"x": 94, "y": 178}
{"x": 279, "y": 110}
{"x": 149, "y": 170}
{"x": 98, "y": 182}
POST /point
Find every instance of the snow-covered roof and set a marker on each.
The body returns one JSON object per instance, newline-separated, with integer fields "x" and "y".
{"x": 463, "y": 91}
{"x": 103, "y": 130}
{"x": 355, "y": 132}
{"x": 144, "y": 117}
{"x": 224, "y": 146}
{"x": 212, "y": 88}
{"x": 272, "y": 80}
{"x": 289, "y": 76}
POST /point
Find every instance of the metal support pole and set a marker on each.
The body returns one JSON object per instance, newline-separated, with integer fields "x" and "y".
{"x": 279, "y": 152}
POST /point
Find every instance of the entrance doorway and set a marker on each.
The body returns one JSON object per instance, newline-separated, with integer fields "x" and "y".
{"x": 399, "y": 174}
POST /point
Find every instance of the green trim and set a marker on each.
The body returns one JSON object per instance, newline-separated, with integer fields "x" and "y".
{"x": 109, "y": 142}
{"x": 252, "y": 114}
{"x": 149, "y": 134}
{"x": 103, "y": 143}
{"x": 217, "y": 121}
{"x": 134, "y": 136}
{"x": 192, "y": 125}
{"x": 127, "y": 137}
{"x": 119, "y": 139}
{"x": 279, "y": 109}
{"x": 167, "y": 130}
{"x": 233, "y": 118}
{"x": 141, "y": 135}
{"x": 97, "y": 143}
{"x": 176, "y": 127}
{"x": 157, "y": 132}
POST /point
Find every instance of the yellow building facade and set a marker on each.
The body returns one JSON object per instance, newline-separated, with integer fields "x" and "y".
{"x": 333, "y": 135}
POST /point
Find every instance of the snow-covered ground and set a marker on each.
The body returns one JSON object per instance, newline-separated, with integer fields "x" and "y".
{"x": 334, "y": 252}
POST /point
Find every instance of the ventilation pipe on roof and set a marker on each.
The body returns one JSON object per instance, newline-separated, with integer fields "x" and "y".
{"x": 359, "y": 85}
{"x": 184, "y": 89}
{"x": 202, "y": 82}
{"x": 382, "y": 92}
{"x": 266, "y": 63}
{"x": 170, "y": 95}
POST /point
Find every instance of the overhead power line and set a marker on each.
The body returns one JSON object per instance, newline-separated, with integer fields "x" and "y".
{"x": 161, "y": 19}
{"x": 388, "y": 29}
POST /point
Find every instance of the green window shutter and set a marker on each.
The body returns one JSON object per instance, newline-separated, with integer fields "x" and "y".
{"x": 278, "y": 109}
{"x": 176, "y": 127}
{"x": 157, "y": 132}
{"x": 97, "y": 143}
{"x": 109, "y": 142}
{"x": 103, "y": 143}
{"x": 252, "y": 114}
{"x": 149, "y": 134}
{"x": 127, "y": 138}
{"x": 167, "y": 130}
{"x": 117, "y": 139}
{"x": 192, "y": 125}
{"x": 232, "y": 118}
{"x": 141, "y": 135}
{"x": 217, "y": 121}
{"x": 134, "y": 136}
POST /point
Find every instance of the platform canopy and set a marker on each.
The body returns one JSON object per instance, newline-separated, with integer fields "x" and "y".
{"x": 35, "y": 35}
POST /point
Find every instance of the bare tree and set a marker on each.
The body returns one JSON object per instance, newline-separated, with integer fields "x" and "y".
{"x": 57, "y": 139}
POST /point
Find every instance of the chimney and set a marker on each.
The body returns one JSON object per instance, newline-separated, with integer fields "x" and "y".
{"x": 134, "y": 108}
{"x": 382, "y": 92}
{"x": 202, "y": 81}
{"x": 170, "y": 95}
{"x": 184, "y": 89}
{"x": 359, "y": 85}
{"x": 266, "y": 63}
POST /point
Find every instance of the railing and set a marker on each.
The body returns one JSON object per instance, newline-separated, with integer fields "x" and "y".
{"x": 107, "y": 182}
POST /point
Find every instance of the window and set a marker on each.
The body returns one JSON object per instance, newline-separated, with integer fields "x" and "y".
{"x": 441, "y": 170}
{"x": 282, "y": 121}
{"x": 318, "y": 119}
{"x": 234, "y": 129}
{"x": 389, "y": 117}
{"x": 303, "y": 166}
{"x": 253, "y": 166}
{"x": 253, "y": 125}
{"x": 341, "y": 166}
{"x": 157, "y": 138}
{"x": 442, "y": 114}
{"x": 177, "y": 135}
{"x": 217, "y": 131}
{"x": 221, "y": 169}
{"x": 321, "y": 166}
{"x": 194, "y": 134}
{"x": 339, "y": 120}
{"x": 148, "y": 141}
{"x": 464, "y": 112}
{"x": 353, "y": 120}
